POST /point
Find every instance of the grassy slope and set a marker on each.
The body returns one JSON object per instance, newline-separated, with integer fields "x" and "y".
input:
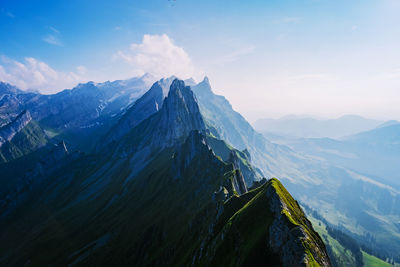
{"x": 343, "y": 256}
{"x": 372, "y": 261}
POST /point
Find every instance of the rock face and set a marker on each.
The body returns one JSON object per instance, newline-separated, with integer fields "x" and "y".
{"x": 195, "y": 144}
{"x": 150, "y": 103}
{"x": 8, "y": 131}
{"x": 239, "y": 182}
{"x": 180, "y": 114}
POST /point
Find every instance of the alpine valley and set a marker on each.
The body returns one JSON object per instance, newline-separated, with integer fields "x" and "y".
{"x": 142, "y": 172}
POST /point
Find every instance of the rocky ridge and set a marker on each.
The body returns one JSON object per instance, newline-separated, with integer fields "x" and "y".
{"x": 8, "y": 131}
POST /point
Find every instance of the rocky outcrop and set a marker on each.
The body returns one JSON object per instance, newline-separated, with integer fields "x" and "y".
{"x": 8, "y": 131}
{"x": 264, "y": 227}
{"x": 291, "y": 234}
{"x": 238, "y": 183}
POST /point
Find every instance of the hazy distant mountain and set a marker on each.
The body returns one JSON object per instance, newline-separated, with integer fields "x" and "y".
{"x": 375, "y": 153}
{"x": 388, "y": 123}
{"x": 303, "y": 127}
{"x": 156, "y": 196}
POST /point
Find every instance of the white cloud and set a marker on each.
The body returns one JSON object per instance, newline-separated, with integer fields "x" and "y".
{"x": 158, "y": 55}
{"x": 53, "y": 40}
{"x": 35, "y": 74}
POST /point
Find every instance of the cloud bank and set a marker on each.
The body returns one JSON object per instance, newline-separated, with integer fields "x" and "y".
{"x": 35, "y": 74}
{"x": 158, "y": 55}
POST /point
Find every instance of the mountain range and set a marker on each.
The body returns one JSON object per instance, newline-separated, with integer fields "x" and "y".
{"x": 170, "y": 174}
{"x": 157, "y": 186}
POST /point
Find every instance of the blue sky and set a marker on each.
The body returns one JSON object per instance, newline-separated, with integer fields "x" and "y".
{"x": 269, "y": 58}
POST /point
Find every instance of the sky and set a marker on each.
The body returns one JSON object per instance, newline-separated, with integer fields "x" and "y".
{"x": 268, "y": 58}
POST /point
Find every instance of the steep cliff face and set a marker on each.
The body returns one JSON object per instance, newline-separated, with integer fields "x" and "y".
{"x": 240, "y": 159}
{"x": 150, "y": 103}
{"x": 180, "y": 114}
{"x": 8, "y": 131}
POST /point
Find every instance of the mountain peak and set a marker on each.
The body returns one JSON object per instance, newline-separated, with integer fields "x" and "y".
{"x": 203, "y": 88}
{"x": 206, "y": 80}
{"x": 190, "y": 81}
{"x": 176, "y": 85}
{"x": 180, "y": 113}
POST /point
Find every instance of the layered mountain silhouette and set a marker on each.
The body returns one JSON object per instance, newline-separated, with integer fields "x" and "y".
{"x": 160, "y": 188}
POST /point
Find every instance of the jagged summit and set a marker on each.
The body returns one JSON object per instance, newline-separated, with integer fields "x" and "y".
{"x": 203, "y": 87}
{"x": 190, "y": 81}
{"x": 147, "y": 105}
{"x": 206, "y": 80}
{"x": 167, "y": 127}
{"x": 180, "y": 113}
